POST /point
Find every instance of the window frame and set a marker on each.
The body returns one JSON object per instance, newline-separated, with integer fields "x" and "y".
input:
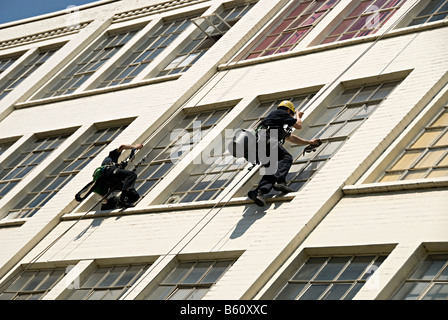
{"x": 92, "y": 289}
{"x": 38, "y": 59}
{"x": 354, "y": 284}
{"x": 179, "y": 145}
{"x": 137, "y": 58}
{"x": 251, "y": 52}
{"x": 427, "y": 17}
{"x": 401, "y": 292}
{"x": 175, "y": 286}
{"x": 199, "y": 43}
{"x": 82, "y": 67}
{"x": 48, "y": 186}
{"x": 401, "y": 173}
{"x": 38, "y": 291}
{"x": 362, "y": 31}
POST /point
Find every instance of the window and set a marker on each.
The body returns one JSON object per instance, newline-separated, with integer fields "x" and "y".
{"x": 184, "y": 135}
{"x": 190, "y": 280}
{"x": 426, "y": 156}
{"x": 32, "y": 284}
{"x": 108, "y": 283}
{"x": 63, "y": 173}
{"x": 334, "y": 126}
{"x": 4, "y": 146}
{"x": 217, "y": 26}
{"x": 86, "y": 66}
{"x": 24, "y": 72}
{"x": 12, "y": 173}
{"x": 6, "y": 62}
{"x": 290, "y": 29}
{"x": 330, "y": 278}
{"x": 207, "y": 180}
{"x": 153, "y": 45}
{"x": 367, "y": 17}
{"x": 428, "y": 282}
{"x": 435, "y": 10}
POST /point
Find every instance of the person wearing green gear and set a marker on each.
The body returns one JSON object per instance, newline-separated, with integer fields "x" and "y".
{"x": 115, "y": 178}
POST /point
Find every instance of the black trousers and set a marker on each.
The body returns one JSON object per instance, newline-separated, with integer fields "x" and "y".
{"x": 121, "y": 179}
{"x": 283, "y": 165}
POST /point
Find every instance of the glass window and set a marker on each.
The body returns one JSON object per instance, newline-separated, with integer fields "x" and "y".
{"x": 330, "y": 278}
{"x": 32, "y": 284}
{"x": 426, "y": 155}
{"x": 108, "y": 283}
{"x": 5, "y": 63}
{"x": 285, "y": 33}
{"x": 14, "y": 171}
{"x": 435, "y": 10}
{"x": 63, "y": 173}
{"x": 183, "y": 135}
{"x": 429, "y": 281}
{"x": 146, "y": 52}
{"x": 333, "y": 126}
{"x": 215, "y": 27}
{"x": 209, "y": 178}
{"x": 367, "y": 17}
{"x": 86, "y": 66}
{"x": 24, "y": 72}
{"x": 190, "y": 280}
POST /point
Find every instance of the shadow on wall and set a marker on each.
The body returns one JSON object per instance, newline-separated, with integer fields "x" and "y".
{"x": 251, "y": 214}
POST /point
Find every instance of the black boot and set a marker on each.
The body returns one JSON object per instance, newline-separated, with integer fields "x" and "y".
{"x": 282, "y": 187}
{"x": 257, "y": 197}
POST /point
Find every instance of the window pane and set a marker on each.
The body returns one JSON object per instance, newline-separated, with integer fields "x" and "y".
{"x": 197, "y": 272}
{"x": 94, "y": 278}
{"x": 406, "y": 160}
{"x": 160, "y": 293}
{"x": 390, "y": 177}
{"x": 177, "y": 274}
{"x": 430, "y": 158}
{"x": 112, "y": 294}
{"x": 356, "y": 268}
{"x": 332, "y": 268}
{"x": 290, "y": 291}
{"x": 19, "y": 283}
{"x": 428, "y": 269}
{"x": 410, "y": 291}
{"x": 197, "y": 294}
{"x": 336, "y": 292}
{"x": 309, "y": 269}
{"x": 217, "y": 270}
{"x": 111, "y": 277}
{"x": 314, "y": 292}
{"x": 439, "y": 291}
{"x": 180, "y": 294}
{"x": 426, "y": 139}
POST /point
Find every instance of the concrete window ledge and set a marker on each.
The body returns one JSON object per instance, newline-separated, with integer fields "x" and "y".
{"x": 396, "y": 186}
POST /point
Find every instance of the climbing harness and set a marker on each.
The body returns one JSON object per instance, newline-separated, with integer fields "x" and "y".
{"x": 96, "y": 187}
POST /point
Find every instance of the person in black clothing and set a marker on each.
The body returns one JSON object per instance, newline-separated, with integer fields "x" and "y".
{"x": 276, "y": 120}
{"x": 115, "y": 178}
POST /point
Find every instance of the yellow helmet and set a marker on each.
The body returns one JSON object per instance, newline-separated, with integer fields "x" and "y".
{"x": 287, "y": 104}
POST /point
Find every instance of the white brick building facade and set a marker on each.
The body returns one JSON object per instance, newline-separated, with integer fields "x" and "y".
{"x": 345, "y": 210}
